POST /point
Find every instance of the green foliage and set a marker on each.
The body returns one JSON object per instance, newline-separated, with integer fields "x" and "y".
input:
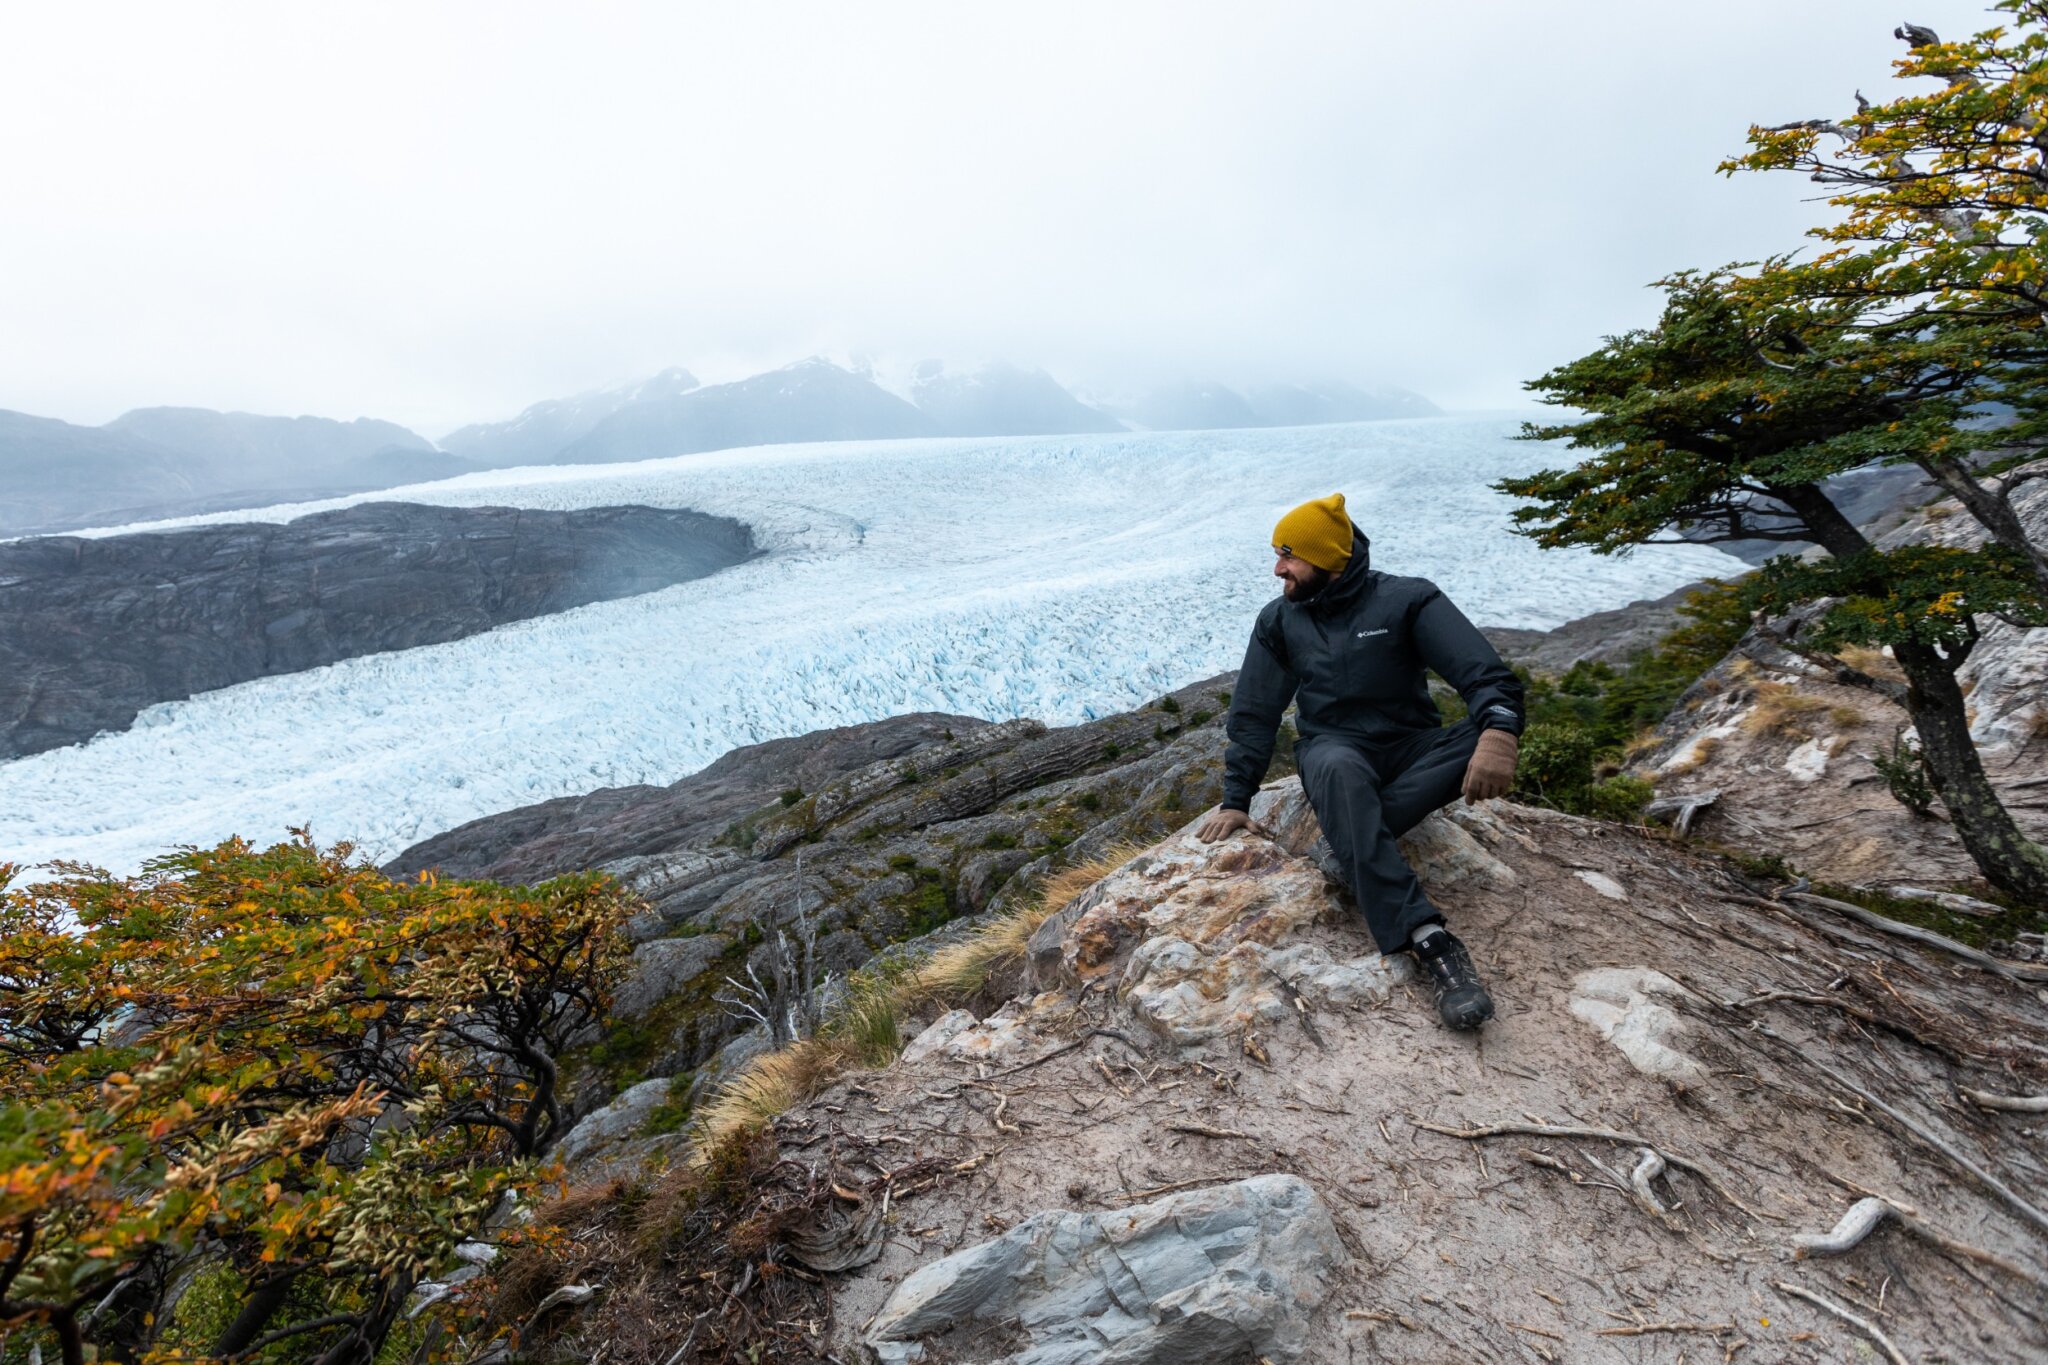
{"x": 282, "y": 1061}
{"x": 1555, "y": 767}
{"x": 1904, "y": 770}
{"x": 997, "y": 838}
{"x": 1170, "y": 705}
{"x": 1614, "y": 705}
{"x": 1620, "y": 798}
{"x": 674, "y": 1110}
{"x": 792, "y": 796}
{"x": 1916, "y": 594}
{"x": 929, "y": 901}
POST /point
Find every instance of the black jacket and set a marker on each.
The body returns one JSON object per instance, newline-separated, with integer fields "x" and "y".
{"x": 1352, "y": 659}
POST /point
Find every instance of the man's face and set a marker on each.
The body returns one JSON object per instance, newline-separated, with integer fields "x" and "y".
{"x": 1299, "y": 579}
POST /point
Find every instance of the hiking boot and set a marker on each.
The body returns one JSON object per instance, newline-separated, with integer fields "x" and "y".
{"x": 1460, "y": 1000}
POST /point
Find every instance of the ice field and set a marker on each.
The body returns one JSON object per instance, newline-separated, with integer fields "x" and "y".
{"x": 1056, "y": 577}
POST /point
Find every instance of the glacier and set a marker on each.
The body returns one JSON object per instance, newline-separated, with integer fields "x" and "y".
{"x": 1062, "y": 578}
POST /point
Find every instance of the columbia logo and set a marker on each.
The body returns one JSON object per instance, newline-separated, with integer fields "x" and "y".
{"x": 1363, "y": 633}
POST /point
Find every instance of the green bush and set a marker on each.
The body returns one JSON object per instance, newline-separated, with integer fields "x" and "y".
{"x": 1620, "y": 799}
{"x": 1556, "y": 767}
{"x": 1904, "y": 770}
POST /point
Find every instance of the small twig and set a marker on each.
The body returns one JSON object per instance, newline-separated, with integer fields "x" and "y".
{"x": 1203, "y": 1130}
{"x": 1643, "y": 1329}
{"x": 1864, "y": 1325}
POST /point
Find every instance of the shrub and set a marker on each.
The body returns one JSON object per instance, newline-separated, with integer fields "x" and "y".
{"x": 1904, "y": 771}
{"x": 1620, "y": 798}
{"x": 1556, "y": 766}
{"x": 280, "y": 1066}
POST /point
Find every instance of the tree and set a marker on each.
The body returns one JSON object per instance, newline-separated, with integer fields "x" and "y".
{"x": 1721, "y": 423}
{"x": 1938, "y": 251}
{"x": 282, "y": 1066}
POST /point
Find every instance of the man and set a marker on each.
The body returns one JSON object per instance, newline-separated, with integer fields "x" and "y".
{"x": 1348, "y": 644}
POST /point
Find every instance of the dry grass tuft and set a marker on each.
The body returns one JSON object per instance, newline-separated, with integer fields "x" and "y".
{"x": 768, "y": 1086}
{"x": 1779, "y": 709}
{"x": 1702, "y": 749}
{"x": 1845, "y": 717}
{"x": 1871, "y": 660}
{"x": 957, "y": 973}
{"x": 866, "y": 1031}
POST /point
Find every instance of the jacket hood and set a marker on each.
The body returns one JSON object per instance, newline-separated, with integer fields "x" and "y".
{"x": 1348, "y": 586}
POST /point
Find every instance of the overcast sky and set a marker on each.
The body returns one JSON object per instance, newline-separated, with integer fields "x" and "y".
{"x": 438, "y": 213}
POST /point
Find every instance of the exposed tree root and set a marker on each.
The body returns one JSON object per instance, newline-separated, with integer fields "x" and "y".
{"x": 1870, "y": 919}
{"x": 2016, "y": 1104}
{"x": 2012, "y": 1198}
{"x": 1866, "y": 1215}
{"x": 1705, "y": 1176}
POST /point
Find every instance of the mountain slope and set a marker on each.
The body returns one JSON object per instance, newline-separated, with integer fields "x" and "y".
{"x": 249, "y": 448}
{"x": 93, "y": 630}
{"x": 538, "y": 434}
{"x": 812, "y": 400}
{"x": 53, "y": 473}
{"x": 1002, "y": 400}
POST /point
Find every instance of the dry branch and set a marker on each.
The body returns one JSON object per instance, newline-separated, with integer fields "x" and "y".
{"x": 1870, "y": 919}
{"x": 1863, "y": 1325}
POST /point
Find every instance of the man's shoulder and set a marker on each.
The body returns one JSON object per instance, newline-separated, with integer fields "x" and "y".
{"x": 1404, "y": 588}
{"x": 1269, "y": 615}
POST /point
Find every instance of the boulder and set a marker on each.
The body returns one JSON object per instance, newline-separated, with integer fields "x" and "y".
{"x": 1229, "y": 1273}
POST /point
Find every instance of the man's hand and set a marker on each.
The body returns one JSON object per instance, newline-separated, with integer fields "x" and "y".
{"x": 1492, "y": 769}
{"x": 1221, "y": 824}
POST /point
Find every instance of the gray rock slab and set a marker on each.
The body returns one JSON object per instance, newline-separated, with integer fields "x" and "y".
{"x": 661, "y": 966}
{"x": 616, "y": 1122}
{"x": 1228, "y": 1273}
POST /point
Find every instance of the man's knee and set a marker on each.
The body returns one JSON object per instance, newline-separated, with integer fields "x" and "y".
{"x": 1332, "y": 763}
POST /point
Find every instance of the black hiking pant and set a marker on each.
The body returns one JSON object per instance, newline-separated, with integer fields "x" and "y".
{"x": 1368, "y": 795}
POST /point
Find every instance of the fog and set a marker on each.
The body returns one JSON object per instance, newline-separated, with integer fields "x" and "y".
{"x": 440, "y": 213}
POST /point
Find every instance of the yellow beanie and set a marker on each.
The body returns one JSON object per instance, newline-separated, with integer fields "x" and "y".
{"x": 1317, "y": 531}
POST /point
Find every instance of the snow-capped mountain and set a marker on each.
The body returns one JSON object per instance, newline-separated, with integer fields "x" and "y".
{"x": 538, "y": 434}
{"x": 1211, "y": 406}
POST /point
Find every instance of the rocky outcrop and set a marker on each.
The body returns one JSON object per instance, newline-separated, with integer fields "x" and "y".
{"x": 1787, "y": 752}
{"x": 1627, "y": 1165}
{"x": 1610, "y": 637}
{"x": 94, "y": 630}
{"x": 876, "y": 833}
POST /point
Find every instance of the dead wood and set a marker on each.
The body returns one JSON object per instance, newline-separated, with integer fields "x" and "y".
{"x": 1867, "y": 1214}
{"x": 1870, "y": 919}
{"x": 1863, "y": 1325}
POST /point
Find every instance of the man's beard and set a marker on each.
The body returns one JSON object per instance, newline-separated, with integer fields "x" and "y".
{"x": 1306, "y": 590}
